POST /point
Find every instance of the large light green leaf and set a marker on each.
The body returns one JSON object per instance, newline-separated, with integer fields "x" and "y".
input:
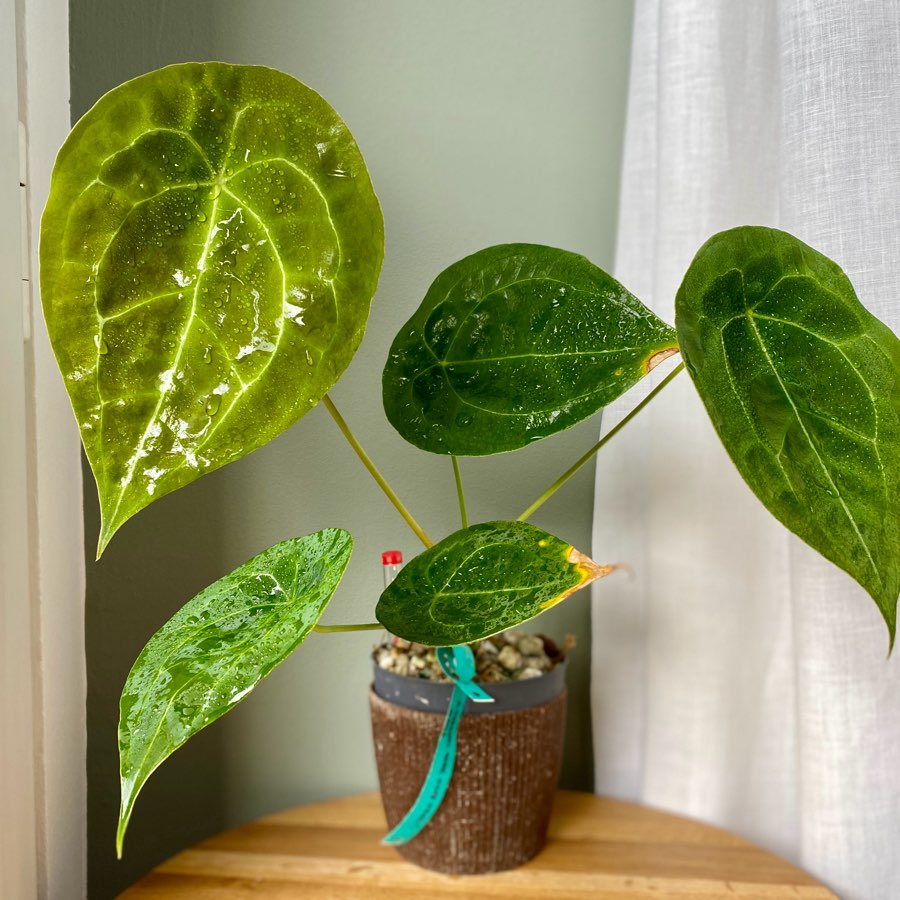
{"x": 218, "y": 647}
{"x": 803, "y": 386}
{"x": 482, "y": 580}
{"x": 208, "y": 255}
{"x": 513, "y": 344}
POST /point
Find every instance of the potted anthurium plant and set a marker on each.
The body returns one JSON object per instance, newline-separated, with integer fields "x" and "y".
{"x": 209, "y": 252}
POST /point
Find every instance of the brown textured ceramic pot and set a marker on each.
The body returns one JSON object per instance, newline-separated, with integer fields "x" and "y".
{"x": 498, "y": 805}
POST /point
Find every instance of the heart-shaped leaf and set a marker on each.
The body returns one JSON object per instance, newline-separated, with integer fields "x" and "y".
{"x": 218, "y": 647}
{"x": 803, "y": 386}
{"x": 208, "y": 255}
{"x": 513, "y": 344}
{"x": 482, "y": 580}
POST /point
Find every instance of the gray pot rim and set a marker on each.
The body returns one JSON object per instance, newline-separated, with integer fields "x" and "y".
{"x": 425, "y": 695}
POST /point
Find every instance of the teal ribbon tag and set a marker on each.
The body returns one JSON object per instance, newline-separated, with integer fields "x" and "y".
{"x": 459, "y": 664}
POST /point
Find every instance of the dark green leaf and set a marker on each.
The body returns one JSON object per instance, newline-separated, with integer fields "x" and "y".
{"x": 218, "y": 647}
{"x": 803, "y": 386}
{"x": 208, "y": 255}
{"x": 482, "y": 580}
{"x": 513, "y": 344}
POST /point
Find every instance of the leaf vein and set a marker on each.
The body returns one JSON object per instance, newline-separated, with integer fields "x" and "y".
{"x": 311, "y": 180}
{"x": 511, "y": 415}
{"x": 162, "y": 666}
{"x": 149, "y": 746}
{"x": 124, "y": 312}
{"x": 154, "y": 417}
{"x": 815, "y": 449}
{"x": 562, "y": 355}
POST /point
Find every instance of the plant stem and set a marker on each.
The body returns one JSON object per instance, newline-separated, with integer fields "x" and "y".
{"x": 334, "y": 629}
{"x": 587, "y": 456}
{"x": 379, "y": 478}
{"x": 460, "y": 493}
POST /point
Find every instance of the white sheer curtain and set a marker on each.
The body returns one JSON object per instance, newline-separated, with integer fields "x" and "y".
{"x": 737, "y": 676}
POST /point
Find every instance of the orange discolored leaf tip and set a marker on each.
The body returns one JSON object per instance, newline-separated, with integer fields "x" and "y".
{"x": 587, "y": 569}
{"x": 658, "y": 357}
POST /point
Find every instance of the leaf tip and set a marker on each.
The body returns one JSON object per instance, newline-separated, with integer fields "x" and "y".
{"x": 102, "y": 543}
{"x": 658, "y": 357}
{"x": 128, "y": 792}
{"x": 588, "y": 571}
{"x": 120, "y": 835}
{"x": 587, "y": 568}
{"x": 108, "y": 527}
{"x": 887, "y": 606}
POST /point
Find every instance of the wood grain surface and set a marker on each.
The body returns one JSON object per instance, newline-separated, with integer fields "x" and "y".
{"x": 597, "y": 848}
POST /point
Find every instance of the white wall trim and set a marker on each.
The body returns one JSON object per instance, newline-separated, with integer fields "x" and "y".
{"x": 18, "y": 828}
{"x": 56, "y": 541}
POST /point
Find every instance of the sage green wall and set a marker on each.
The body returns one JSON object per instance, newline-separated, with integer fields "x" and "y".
{"x": 481, "y": 123}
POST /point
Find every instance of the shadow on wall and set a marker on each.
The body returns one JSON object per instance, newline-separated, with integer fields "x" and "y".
{"x": 158, "y": 561}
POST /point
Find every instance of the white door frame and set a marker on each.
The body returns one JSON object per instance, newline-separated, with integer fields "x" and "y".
{"x": 42, "y": 668}
{"x": 18, "y": 788}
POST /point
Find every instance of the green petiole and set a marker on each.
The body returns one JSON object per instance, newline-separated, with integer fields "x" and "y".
{"x": 589, "y": 455}
{"x": 373, "y": 471}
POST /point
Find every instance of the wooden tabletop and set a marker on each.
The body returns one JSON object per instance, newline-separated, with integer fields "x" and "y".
{"x": 598, "y": 848}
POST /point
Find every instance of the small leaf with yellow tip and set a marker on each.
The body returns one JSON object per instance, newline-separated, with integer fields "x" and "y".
{"x": 482, "y": 580}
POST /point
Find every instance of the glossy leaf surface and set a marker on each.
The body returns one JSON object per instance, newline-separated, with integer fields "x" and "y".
{"x": 480, "y": 581}
{"x": 803, "y": 387}
{"x": 218, "y": 647}
{"x": 209, "y": 252}
{"x": 513, "y": 344}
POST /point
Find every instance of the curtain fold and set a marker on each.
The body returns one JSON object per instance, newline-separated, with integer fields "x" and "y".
{"x": 737, "y": 676}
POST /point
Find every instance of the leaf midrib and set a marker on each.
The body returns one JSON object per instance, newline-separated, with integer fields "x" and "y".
{"x": 290, "y": 600}
{"x": 510, "y": 415}
{"x": 223, "y": 181}
{"x": 812, "y": 444}
{"x": 564, "y": 354}
{"x": 590, "y": 293}
{"x": 444, "y": 362}
{"x": 503, "y": 590}
{"x": 274, "y": 619}
{"x": 154, "y": 416}
{"x": 205, "y": 627}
